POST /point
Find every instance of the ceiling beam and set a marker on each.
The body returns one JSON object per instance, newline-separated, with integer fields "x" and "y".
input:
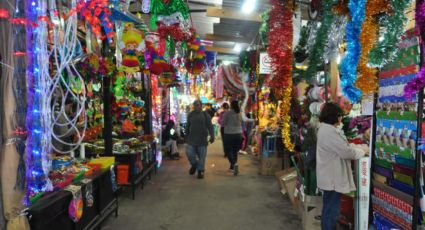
{"x": 232, "y": 14}
{"x": 225, "y": 38}
{"x": 221, "y": 50}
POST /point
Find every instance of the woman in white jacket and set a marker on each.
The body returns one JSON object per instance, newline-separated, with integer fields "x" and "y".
{"x": 333, "y": 157}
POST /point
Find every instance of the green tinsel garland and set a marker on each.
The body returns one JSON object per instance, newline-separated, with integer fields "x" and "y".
{"x": 264, "y": 28}
{"x": 386, "y": 49}
{"x": 321, "y": 39}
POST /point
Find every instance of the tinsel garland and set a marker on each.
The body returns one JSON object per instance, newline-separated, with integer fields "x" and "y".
{"x": 349, "y": 63}
{"x": 285, "y": 109}
{"x": 367, "y": 80}
{"x": 280, "y": 42}
{"x": 317, "y": 50}
{"x": 418, "y": 82}
{"x": 264, "y": 28}
{"x": 386, "y": 48}
{"x": 335, "y": 37}
{"x": 280, "y": 51}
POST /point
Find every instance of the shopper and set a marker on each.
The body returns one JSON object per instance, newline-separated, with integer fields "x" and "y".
{"x": 214, "y": 122}
{"x": 224, "y": 107}
{"x": 169, "y": 139}
{"x": 333, "y": 166}
{"x": 198, "y": 127}
{"x": 232, "y": 139}
{"x": 209, "y": 109}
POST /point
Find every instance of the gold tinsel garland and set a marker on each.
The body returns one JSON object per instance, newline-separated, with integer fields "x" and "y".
{"x": 285, "y": 118}
{"x": 367, "y": 80}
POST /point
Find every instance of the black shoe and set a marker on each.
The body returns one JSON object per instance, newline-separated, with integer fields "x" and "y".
{"x": 200, "y": 174}
{"x": 236, "y": 170}
{"x": 192, "y": 170}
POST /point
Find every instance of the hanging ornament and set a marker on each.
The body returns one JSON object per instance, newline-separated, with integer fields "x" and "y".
{"x": 133, "y": 47}
{"x": 146, "y": 5}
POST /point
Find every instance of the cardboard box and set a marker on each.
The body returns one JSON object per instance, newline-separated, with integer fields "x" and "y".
{"x": 311, "y": 208}
{"x": 270, "y": 165}
{"x": 287, "y": 180}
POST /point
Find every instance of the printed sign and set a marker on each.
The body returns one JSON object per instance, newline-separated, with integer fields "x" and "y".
{"x": 265, "y": 63}
{"x": 363, "y": 191}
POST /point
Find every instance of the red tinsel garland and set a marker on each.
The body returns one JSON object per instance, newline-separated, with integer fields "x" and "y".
{"x": 280, "y": 41}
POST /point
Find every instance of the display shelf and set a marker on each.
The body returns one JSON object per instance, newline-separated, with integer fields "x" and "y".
{"x": 396, "y": 131}
{"x": 136, "y": 177}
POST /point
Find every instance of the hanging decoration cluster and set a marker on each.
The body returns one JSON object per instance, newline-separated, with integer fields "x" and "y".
{"x": 316, "y": 52}
{"x": 418, "y": 82}
{"x": 386, "y": 48}
{"x": 367, "y": 80}
{"x": 350, "y": 62}
{"x": 97, "y": 14}
{"x": 280, "y": 51}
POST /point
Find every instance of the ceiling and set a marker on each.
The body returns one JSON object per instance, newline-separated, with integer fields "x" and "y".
{"x": 222, "y": 23}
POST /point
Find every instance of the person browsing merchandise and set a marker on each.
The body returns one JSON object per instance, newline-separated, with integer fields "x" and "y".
{"x": 333, "y": 163}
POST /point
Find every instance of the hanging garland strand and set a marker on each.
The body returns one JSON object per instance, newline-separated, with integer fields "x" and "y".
{"x": 350, "y": 62}
{"x": 419, "y": 81}
{"x": 367, "y": 80}
{"x": 316, "y": 54}
{"x": 386, "y": 49}
{"x": 280, "y": 51}
{"x": 280, "y": 42}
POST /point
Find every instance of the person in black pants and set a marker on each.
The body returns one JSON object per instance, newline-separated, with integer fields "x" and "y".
{"x": 225, "y": 107}
{"x": 232, "y": 139}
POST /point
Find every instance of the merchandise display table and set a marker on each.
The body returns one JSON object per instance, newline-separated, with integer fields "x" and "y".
{"x": 51, "y": 211}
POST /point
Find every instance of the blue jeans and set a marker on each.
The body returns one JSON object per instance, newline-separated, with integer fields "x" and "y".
{"x": 331, "y": 209}
{"x": 196, "y": 156}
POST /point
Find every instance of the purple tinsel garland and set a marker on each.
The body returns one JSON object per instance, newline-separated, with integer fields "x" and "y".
{"x": 418, "y": 82}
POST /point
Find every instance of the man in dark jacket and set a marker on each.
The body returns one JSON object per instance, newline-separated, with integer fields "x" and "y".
{"x": 198, "y": 127}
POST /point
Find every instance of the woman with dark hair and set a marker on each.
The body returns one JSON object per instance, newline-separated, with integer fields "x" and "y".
{"x": 232, "y": 138}
{"x": 169, "y": 139}
{"x": 225, "y": 107}
{"x": 333, "y": 163}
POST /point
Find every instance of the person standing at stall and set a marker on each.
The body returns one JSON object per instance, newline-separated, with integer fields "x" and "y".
{"x": 232, "y": 139}
{"x": 333, "y": 163}
{"x": 198, "y": 127}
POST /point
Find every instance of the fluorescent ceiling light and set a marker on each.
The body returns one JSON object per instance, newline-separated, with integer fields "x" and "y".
{"x": 237, "y": 48}
{"x": 248, "y": 6}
